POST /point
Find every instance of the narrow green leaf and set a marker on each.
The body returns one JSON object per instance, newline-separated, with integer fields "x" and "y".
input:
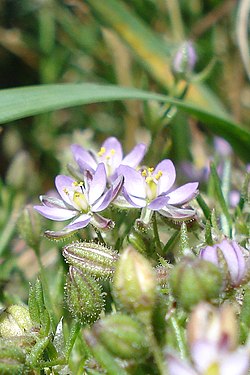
{"x": 204, "y": 207}
{"x": 27, "y": 101}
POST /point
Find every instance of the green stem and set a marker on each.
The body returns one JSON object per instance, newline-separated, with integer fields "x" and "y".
{"x": 99, "y": 236}
{"x": 179, "y": 337}
{"x": 156, "y": 233}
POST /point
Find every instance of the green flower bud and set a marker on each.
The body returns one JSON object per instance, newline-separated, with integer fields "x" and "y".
{"x": 194, "y": 280}
{"x": 29, "y": 225}
{"x": 122, "y": 335}
{"x": 12, "y": 359}
{"x": 95, "y": 259}
{"x": 15, "y": 321}
{"x": 84, "y": 296}
{"x": 134, "y": 282}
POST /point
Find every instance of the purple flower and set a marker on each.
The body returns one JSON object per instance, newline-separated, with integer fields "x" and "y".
{"x": 81, "y": 201}
{"x": 206, "y": 357}
{"x": 152, "y": 190}
{"x": 212, "y": 339}
{"x": 233, "y": 257}
{"x": 110, "y": 154}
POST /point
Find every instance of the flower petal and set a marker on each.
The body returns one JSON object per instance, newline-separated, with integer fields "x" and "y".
{"x": 98, "y": 184}
{"x": 183, "y": 194}
{"x": 166, "y": 181}
{"x": 62, "y": 184}
{"x": 117, "y": 185}
{"x": 137, "y": 202}
{"x": 80, "y": 154}
{"x": 235, "y": 260}
{"x": 236, "y": 363}
{"x": 177, "y": 366}
{"x": 81, "y": 222}
{"x": 135, "y": 156}
{"x": 101, "y": 222}
{"x": 176, "y": 213}
{"x": 54, "y": 213}
{"x": 206, "y": 350}
{"x": 210, "y": 254}
{"x": 158, "y": 203}
{"x": 134, "y": 183}
{"x": 114, "y": 149}
{"x": 52, "y": 202}
{"x": 103, "y": 202}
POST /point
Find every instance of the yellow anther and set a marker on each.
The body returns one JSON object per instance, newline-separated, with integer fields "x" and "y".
{"x": 151, "y": 169}
{"x": 158, "y": 175}
{"x": 77, "y": 195}
{"x": 80, "y": 183}
{"x": 144, "y": 173}
{"x": 66, "y": 191}
{"x": 74, "y": 183}
{"x": 108, "y": 157}
{"x": 112, "y": 151}
{"x": 102, "y": 151}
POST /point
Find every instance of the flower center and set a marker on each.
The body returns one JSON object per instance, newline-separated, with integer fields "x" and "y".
{"x": 106, "y": 157}
{"x": 77, "y": 196}
{"x": 151, "y": 180}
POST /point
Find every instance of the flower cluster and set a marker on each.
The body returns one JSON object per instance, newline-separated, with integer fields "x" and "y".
{"x": 107, "y": 177}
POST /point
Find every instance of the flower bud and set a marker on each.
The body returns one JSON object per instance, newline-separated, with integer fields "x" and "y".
{"x": 207, "y": 323}
{"x": 194, "y": 280}
{"x": 184, "y": 60}
{"x": 228, "y": 256}
{"x": 134, "y": 282}
{"x": 122, "y": 335}
{"x": 95, "y": 259}
{"x": 84, "y": 296}
{"x": 15, "y": 321}
{"x": 29, "y": 225}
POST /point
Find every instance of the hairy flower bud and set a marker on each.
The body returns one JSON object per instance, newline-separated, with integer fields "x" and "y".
{"x": 29, "y": 225}
{"x": 84, "y": 296}
{"x": 95, "y": 259}
{"x": 122, "y": 335}
{"x": 15, "y": 321}
{"x": 134, "y": 282}
{"x": 194, "y": 280}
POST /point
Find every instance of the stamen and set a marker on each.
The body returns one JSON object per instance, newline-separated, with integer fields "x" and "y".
{"x": 144, "y": 173}
{"x": 158, "y": 175}
{"x": 102, "y": 151}
{"x": 112, "y": 151}
{"x": 74, "y": 183}
{"x": 151, "y": 169}
{"x": 65, "y": 190}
